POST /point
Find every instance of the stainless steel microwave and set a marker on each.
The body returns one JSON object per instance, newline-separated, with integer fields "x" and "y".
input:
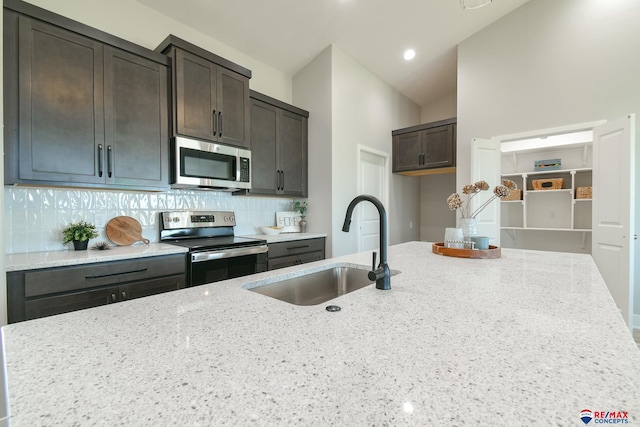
{"x": 201, "y": 164}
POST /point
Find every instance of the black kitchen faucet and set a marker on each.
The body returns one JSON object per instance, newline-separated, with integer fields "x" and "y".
{"x": 381, "y": 274}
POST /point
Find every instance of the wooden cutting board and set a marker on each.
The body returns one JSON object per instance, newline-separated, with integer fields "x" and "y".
{"x": 125, "y": 231}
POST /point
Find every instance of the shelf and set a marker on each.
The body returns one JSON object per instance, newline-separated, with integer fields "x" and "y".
{"x": 584, "y": 230}
{"x": 582, "y": 200}
{"x": 561, "y": 190}
{"x": 559, "y": 171}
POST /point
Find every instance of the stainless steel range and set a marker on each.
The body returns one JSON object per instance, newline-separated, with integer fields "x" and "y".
{"x": 215, "y": 253}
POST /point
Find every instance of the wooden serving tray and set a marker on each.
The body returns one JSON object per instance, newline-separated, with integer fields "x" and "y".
{"x": 492, "y": 252}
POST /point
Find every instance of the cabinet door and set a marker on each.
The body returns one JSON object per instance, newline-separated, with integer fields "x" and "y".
{"x": 437, "y": 145}
{"x": 195, "y": 92}
{"x": 292, "y": 153}
{"x": 136, "y": 123}
{"x": 264, "y": 137}
{"x": 407, "y": 152}
{"x": 61, "y": 113}
{"x": 233, "y": 126}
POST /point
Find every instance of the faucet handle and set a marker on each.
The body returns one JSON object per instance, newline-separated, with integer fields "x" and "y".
{"x": 373, "y": 264}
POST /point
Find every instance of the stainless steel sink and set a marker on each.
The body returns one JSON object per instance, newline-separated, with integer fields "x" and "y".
{"x": 318, "y": 286}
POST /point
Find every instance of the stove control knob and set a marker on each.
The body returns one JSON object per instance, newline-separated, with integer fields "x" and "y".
{"x": 176, "y": 219}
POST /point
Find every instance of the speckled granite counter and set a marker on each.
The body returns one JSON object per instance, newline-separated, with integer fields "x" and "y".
{"x": 33, "y": 260}
{"x": 287, "y": 237}
{"x": 531, "y": 338}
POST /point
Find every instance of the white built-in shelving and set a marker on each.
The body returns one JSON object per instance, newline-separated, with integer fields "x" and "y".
{"x": 541, "y": 214}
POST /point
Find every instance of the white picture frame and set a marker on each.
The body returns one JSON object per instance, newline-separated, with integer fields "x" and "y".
{"x": 289, "y": 221}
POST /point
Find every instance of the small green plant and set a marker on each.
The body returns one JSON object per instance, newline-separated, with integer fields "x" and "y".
{"x": 80, "y": 231}
{"x": 299, "y": 206}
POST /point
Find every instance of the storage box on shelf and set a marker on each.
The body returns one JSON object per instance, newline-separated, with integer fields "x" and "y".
{"x": 547, "y": 184}
{"x": 583, "y": 193}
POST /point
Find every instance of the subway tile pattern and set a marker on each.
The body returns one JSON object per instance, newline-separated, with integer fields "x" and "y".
{"x": 34, "y": 217}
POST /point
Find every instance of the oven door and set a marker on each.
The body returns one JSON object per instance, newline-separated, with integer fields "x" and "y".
{"x": 215, "y": 265}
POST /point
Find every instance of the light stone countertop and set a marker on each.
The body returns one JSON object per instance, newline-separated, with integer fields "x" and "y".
{"x": 34, "y": 260}
{"x": 287, "y": 237}
{"x": 531, "y": 338}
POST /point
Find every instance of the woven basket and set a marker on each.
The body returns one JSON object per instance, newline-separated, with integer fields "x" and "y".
{"x": 583, "y": 193}
{"x": 547, "y": 184}
{"x": 513, "y": 195}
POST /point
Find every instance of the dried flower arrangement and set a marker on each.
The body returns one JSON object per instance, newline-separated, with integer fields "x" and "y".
{"x": 500, "y": 191}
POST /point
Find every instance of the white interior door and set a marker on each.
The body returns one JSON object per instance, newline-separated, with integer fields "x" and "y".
{"x": 613, "y": 209}
{"x": 372, "y": 180}
{"x": 485, "y": 166}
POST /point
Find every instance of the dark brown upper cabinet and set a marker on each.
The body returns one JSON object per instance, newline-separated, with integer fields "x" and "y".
{"x": 210, "y": 94}
{"x": 425, "y": 149}
{"x": 278, "y": 147}
{"x": 82, "y": 108}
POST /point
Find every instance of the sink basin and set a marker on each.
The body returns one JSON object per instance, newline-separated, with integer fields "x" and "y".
{"x": 318, "y": 286}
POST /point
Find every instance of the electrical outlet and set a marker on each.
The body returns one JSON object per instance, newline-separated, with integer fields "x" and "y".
{"x": 410, "y": 225}
{"x": 100, "y": 219}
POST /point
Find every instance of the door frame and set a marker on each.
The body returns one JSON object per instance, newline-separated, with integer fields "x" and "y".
{"x": 385, "y": 183}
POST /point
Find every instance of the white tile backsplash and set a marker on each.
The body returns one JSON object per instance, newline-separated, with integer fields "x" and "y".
{"x": 35, "y": 217}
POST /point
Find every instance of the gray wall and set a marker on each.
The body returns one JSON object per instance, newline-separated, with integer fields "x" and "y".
{"x": 360, "y": 110}
{"x": 550, "y": 63}
{"x": 435, "y": 215}
{"x": 312, "y": 91}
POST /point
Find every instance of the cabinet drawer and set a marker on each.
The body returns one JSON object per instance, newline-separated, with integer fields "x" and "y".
{"x": 49, "y": 306}
{"x": 295, "y": 247}
{"x": 67, "y": 279}
{"x": 288, "y": 261}
{"x": 151, "y": 287}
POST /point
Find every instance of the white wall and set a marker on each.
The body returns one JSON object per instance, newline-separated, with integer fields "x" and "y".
{"x": 550, "y": 63}
{"x": 142, "y": 25}
{"x": 363, "y": 110}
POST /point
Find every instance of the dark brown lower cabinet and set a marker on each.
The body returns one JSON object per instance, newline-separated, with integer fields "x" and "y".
{"x": 32, "y": 294}
{"x": 287, "y": 254}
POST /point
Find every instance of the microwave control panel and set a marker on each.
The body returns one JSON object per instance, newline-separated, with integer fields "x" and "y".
{"x": 244, "y": 169}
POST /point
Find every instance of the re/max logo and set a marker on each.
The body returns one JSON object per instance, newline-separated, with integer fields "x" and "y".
{"x": 614, "y": 414}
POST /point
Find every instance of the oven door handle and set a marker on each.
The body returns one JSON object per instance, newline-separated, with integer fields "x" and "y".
{"x": 228, "y": 253}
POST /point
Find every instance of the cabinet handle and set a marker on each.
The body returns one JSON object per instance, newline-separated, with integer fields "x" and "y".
{"x": 113, "y": 297}
{"x": 109, "y": 161}
{"x": 100, "y": 160}
{"x": 214, "y": 122}
{"x": 98, "y": 276}
{"x": 290, "y": 248}
{"x": 124, "y": 295}
{"x": 279, "y": 180}
{"x": 282, "y": 187}
{"x": 220, "y": 122}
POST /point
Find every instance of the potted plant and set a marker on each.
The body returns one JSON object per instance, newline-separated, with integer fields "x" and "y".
{"x": 79, "y": 233}
{"x": 301, "y": 207}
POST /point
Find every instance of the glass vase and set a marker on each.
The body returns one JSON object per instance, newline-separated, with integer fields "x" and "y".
{"x": 469, "y": 227}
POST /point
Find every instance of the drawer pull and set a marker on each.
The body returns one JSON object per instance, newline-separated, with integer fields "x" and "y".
{"x": 290, "y": 248}
{"x": 99, "y": 276}
{"x": 113, "y": 298}
{"x": 124, "y": 295}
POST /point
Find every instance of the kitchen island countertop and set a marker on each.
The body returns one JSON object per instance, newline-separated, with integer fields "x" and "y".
{"x": 531, "y": 338}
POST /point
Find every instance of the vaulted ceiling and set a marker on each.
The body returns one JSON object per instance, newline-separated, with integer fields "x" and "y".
{"x": 288, "y": 34}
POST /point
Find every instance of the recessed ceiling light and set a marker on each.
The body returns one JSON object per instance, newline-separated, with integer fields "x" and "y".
{"x": 409, "y": 54}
